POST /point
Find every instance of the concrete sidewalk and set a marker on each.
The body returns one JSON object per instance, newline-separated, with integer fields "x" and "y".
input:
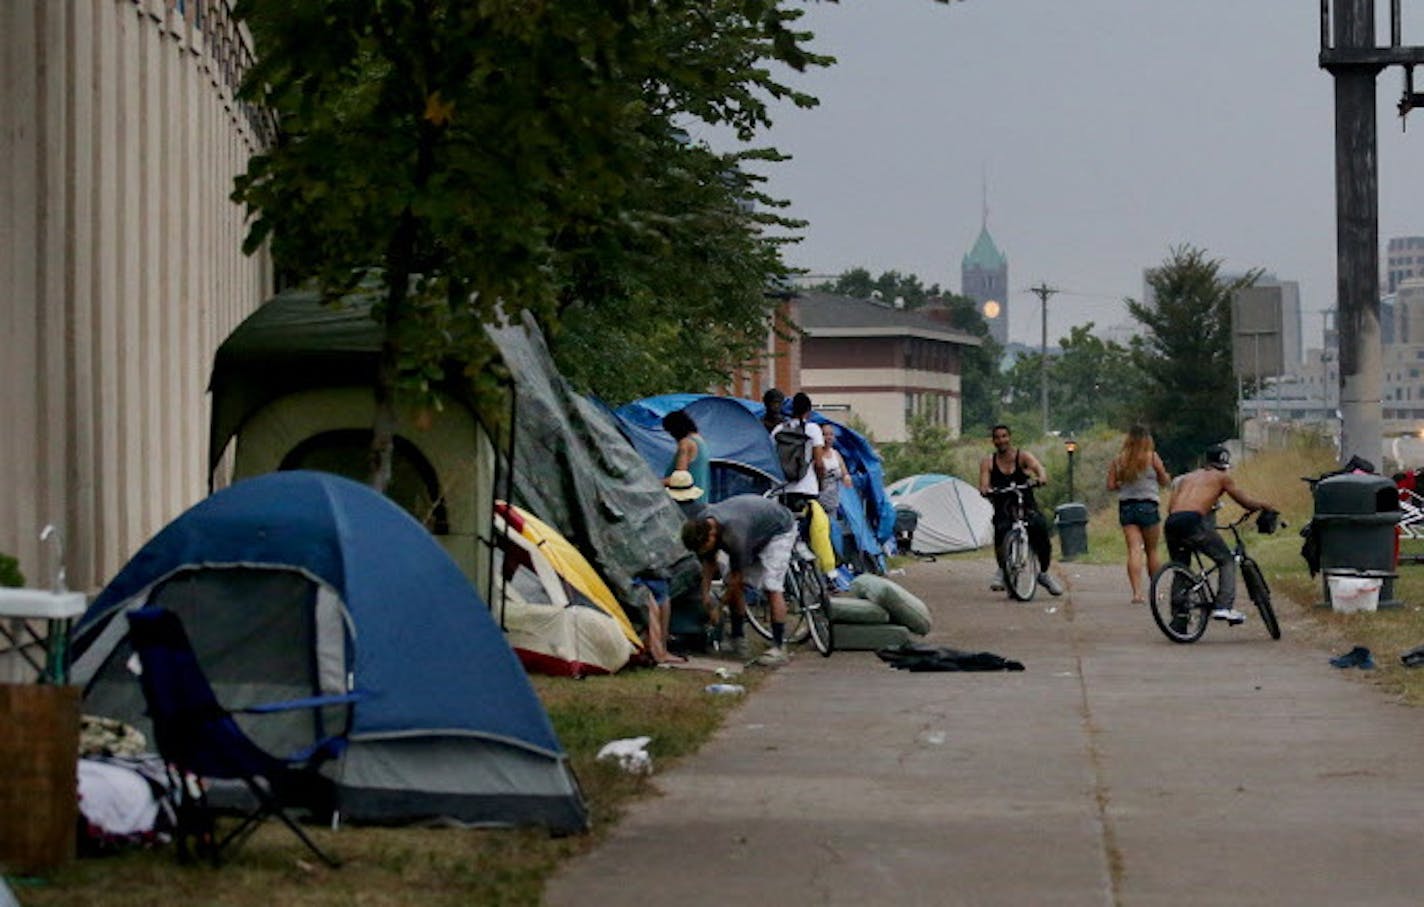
{"x": 1117, "y": 769}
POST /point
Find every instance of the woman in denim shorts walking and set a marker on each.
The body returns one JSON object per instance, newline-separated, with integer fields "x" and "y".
{"x": 1137, "y": 475}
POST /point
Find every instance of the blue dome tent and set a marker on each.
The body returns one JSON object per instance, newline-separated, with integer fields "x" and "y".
{"x": 296, "y": 584}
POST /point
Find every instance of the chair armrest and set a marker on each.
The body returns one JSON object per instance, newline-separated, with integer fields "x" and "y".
{"x": 309, "y": 702}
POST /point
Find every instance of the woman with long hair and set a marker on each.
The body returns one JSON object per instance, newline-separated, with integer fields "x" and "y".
{"x": 691, "y": 454}
{"x": 1137, "y": 475}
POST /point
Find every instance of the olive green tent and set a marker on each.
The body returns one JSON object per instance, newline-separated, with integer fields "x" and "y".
{"x": 292, "y": 389}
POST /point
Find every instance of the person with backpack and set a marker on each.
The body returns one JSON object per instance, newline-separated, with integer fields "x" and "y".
{"x": 800, "y": 447}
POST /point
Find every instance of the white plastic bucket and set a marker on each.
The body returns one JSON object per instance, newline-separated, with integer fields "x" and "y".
{"x": 1350, "y": 594}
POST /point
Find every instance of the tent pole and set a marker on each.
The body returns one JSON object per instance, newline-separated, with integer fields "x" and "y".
{"x": 508, "y": 499}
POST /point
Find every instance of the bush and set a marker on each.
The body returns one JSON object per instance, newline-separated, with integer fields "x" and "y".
{"x": 10, "y": 574}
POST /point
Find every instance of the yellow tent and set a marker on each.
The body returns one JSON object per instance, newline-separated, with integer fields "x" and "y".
{"x": 575, "y": 569}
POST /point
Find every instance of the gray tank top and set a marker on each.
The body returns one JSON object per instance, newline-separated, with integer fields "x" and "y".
{"x": 1142, "y": 488}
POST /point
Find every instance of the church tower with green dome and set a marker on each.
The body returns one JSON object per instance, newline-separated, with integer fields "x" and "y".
{"x": 984, "y": 278}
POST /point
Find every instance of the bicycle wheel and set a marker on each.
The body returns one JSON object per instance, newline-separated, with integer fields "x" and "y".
{"x": 759, "y": 611}
{"x": 1181, "y": 603}
{"x": 1260, "y": 595}
{"x": 1020, "y": 566}
{"x": 816, "y": 606}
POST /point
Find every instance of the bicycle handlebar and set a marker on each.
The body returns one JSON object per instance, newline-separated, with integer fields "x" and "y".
{"x": 1013, "y": 487}
{"x": 1280, "y": 524}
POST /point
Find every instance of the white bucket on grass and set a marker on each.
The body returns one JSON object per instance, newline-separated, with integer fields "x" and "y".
{"x": 1350, "y": 594}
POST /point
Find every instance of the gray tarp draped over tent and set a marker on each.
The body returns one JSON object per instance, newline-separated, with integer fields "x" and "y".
{"x": 574, "y": 470}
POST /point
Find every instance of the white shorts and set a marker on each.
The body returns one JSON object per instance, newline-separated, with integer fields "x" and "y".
{"x": 769, "y": 571}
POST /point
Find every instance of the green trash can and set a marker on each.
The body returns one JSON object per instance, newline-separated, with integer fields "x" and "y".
{"x": 1354, "y": 520}
{"x": 1071, "y": 521}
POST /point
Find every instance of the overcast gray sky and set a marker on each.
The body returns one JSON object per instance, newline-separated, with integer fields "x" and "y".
{"x": 1109, "y": 130}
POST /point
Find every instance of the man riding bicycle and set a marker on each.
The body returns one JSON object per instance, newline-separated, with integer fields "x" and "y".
{"x": 1194, "y": 497}
{"x": 1006, "y": 466}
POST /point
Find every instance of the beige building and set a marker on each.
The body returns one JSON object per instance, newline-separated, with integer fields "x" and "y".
{"x": 880, "y": 364}
{"x": 1408, "y": 312}
{"x": 121, "y": 267}
{"x": 1404, "y": 259}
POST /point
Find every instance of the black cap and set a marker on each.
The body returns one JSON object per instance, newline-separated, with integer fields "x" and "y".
{"x": 1218, "y": 457}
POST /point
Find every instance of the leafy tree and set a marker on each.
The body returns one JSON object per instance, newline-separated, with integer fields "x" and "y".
{"x": 1090, "y": 382}
{"x": 1189, "y": 397}
{"x": 482, "y": 159}
{"x": 676, "y": 309}
{"x": 888, "y": 287}
{"x": 925, "y": 449}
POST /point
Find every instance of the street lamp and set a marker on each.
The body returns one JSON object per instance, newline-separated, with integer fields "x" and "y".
{"x": 1072, "y": 447}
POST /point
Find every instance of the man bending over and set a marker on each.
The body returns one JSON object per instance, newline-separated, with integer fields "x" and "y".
{"x": 758, "y": 536}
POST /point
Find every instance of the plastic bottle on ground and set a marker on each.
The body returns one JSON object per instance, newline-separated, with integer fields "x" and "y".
{"x": 725, "y": 689}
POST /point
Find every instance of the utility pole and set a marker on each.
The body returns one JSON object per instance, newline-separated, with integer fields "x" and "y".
{"x": 1349, "y": 53}
{"x": 1043, "y": 291}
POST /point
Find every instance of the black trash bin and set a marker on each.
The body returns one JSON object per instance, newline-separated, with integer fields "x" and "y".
{"x": 1354, "y": 522}
{"x": 1071, "y": 520}
{"x": 906, "y": 521}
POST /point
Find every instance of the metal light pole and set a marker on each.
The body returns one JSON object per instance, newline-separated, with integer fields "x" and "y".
{"x": 1072, "y": 447}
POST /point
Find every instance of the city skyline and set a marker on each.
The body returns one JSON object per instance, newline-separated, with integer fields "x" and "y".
{"x": 1107, "y": 131}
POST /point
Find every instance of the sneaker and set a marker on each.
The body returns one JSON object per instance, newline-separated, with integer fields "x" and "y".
{"x": 997, "y": 583}
{"x": 739, "y": 646}
{"x": 1230, "y": 615}
{"x": 1179, "y": 623}
{"x": 774, "y": 657}
{"x": 1358, "y": 657}
{"x": 1050, "y": 582}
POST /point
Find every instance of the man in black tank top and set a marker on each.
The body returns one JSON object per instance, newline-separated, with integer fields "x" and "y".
{"x": 1006, "y": 466}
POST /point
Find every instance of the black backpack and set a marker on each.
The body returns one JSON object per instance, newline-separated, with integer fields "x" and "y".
{"x": 791, "y": 450}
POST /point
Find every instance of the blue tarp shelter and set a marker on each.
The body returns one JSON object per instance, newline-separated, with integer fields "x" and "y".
{"x": 295, "y": 584}
{"x": 732, "y": 427}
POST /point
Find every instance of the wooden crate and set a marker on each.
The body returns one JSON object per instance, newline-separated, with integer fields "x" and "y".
{"x": 39, "y": 752}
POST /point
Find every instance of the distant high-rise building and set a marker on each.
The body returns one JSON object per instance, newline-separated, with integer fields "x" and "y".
{"x": 984, "y": 278}
{"x": 1408, "y": 311}
{"x": 1404, "y": 258}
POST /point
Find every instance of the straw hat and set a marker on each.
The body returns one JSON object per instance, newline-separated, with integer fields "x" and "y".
{"x": 681, "y": 487}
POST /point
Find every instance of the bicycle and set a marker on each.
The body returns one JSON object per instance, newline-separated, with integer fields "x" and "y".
{"x": 1183, "y": 596}
{"x": 1016, "y": 555}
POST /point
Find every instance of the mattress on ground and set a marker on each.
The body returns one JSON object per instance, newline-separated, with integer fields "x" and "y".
{"x": 847, "y": 609}
{"x": 904, "y": 607}
{"x": 868, "y": 637}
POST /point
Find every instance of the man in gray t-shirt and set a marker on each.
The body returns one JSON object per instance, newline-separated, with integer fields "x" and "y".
{"x": 758, "y": 536}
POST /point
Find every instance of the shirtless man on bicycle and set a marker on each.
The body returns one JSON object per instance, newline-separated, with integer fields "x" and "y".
{"x": 1187, "y": 529}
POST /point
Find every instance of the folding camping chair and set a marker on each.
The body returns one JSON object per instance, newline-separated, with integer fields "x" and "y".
{"x": 1411, "y": 506}
{"x": 199, "y": 739}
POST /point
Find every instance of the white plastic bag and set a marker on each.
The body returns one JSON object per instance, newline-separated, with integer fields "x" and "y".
{"x": 631, "y": 754}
